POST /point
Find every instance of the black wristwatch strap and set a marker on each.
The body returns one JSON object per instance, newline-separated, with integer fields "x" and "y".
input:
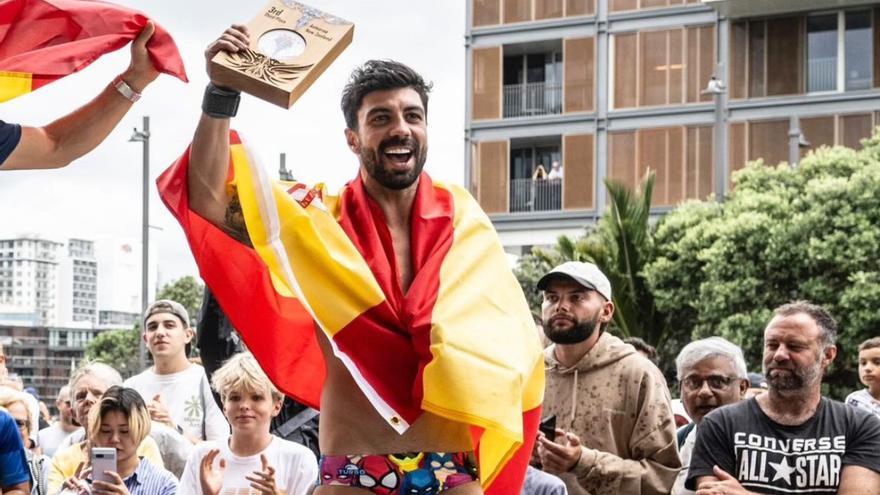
{"x": 220, "y": 103}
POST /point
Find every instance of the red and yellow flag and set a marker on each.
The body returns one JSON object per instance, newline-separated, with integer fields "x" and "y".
{"x": 460, "y": 343}
{"x": 44, "y": 40}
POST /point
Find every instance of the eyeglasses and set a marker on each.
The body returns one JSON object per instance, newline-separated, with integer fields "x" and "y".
{"x": 716, "y": 382}
{"x": 22, "y": 423}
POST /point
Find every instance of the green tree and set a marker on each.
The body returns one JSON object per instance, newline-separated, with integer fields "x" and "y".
{"x": 188, "y": 291}
{"x": 811, "y": 232}
{"x": 117, "y": 348}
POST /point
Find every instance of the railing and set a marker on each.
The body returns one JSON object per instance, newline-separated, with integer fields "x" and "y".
{"x": 822, "y": 74}
{"x": 535, "y": 195}
{"x": 526, "y": 100}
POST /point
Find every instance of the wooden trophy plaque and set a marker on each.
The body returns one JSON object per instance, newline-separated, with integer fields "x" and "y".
{"x": 291, "y": 45}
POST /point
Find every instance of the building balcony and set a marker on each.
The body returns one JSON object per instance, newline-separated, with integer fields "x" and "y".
{"x": 528, "y": 195}
{"x": 532, "y": 99}
{"x": 750, "y": 8}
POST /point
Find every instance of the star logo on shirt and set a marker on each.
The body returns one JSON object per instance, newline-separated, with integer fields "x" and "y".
{"x": 783, "y": 470}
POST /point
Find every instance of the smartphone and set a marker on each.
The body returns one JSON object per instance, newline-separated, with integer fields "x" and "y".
{"x": 548, "y": 427}
{"x": 103, "y": 459}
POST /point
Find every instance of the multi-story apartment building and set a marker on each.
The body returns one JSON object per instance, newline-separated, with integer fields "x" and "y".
{"x": 79, "y": 284}
{"x": 612, "y": 88}
{"x": 29, "y": 277}
{"x": 44, "y": 356}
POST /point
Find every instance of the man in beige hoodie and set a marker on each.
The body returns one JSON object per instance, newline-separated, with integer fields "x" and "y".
{"x": 616, "y": 432}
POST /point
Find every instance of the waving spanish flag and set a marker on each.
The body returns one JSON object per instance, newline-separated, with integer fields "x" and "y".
{"x": 460, "y": 343}
{"x": 44, "y": 40}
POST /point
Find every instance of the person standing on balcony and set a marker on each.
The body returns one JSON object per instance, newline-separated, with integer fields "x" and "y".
{"x": 555, "y": 171}
{"x": 540, "y": 173}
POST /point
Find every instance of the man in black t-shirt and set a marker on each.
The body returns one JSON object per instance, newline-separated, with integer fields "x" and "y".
{"x": 68, "y": 138}
{"x": 790, "y": 439}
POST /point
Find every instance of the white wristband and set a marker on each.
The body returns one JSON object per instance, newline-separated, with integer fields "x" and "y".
{"x": 125, "y": 90}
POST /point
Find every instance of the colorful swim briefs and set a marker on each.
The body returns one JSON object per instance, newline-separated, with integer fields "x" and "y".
{"x": 413, "y": 473}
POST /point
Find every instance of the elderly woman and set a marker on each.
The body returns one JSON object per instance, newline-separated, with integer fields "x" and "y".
{"x": 120, "y": 421}
{"x": 16, "y": 404}
{"x": 87, "y": 385}
{"x": 711, "y": 373}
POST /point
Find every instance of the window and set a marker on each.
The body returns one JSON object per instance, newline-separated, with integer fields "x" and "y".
{"x": 803, "y": 54}
{"x": 539, "y": 194}
{"x": 858, "y": 54}
{"x": 664, "y": 67}
{"x": 822, "y": 52}
{"x": 533, "y": 84}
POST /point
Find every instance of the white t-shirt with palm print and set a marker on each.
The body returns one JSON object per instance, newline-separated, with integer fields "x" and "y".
{"x": 188, "y": 398}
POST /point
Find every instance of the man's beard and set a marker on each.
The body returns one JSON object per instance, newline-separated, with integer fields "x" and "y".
{"x": 792, "y": 380}
{"x": 575, "y": 334}
{"x": 371, "y": 159}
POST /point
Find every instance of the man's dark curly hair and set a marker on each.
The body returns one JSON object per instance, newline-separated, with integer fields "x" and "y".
{"x": 379, "y": 75}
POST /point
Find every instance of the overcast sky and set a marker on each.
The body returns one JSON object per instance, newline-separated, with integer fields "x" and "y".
{"x": 100, "y": 194}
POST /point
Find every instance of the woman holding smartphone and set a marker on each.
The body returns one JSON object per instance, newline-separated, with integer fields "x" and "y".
{"x": 117, "y": 424}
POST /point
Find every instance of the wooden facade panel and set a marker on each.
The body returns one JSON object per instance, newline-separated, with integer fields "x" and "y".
{"x": 707, "y": 60}
{"x": 691, "y": 164}
{"x": 577, "y": 165}
{"x": 785, "y": 59}
{"x": 737, "y": 144}
{"x": 769, "y": 140}
{"x": 487, "y": 12}
{"x": 854, "y": 128}
{"x": 621, "y": 5}
{"x": 548, "y": 9}
{"x": 739, "y": 37}
{"x": 517, "y": 11}
{"x": 487, "y": 83}
{"x": 675, "y": 166}
{"x": 580, "y": 74}
{"x": 819, "y": 131}
{"x": 653, "y": 157}
{"x": 580, "y": 7}
{"x": 676, "y": 66}
{"x": 622, "y": 157}
{"x": 625, "y": 70}
{"x": 493, "y": 176}
{"x": 705, "y": 163}
{"x": 757, "y": 59}
{"x": 653, "y": 68}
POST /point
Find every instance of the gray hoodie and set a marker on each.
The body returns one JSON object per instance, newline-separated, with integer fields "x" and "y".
{"x": 618, "y": 404}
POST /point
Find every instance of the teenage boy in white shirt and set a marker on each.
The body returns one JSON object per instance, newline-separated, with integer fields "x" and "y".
{"x": 176, "y": 391}
{"x": 253, "y": 461}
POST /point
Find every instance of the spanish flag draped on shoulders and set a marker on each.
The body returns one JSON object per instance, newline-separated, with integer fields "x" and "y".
{"x": 460, "y": 343}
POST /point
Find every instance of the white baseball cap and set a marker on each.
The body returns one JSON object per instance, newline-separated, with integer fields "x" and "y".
{"x": 587, "y": 274}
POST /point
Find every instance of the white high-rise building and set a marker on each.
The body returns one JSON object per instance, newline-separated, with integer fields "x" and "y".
{"x": 74, "y": 284}
{"x": 29, "y": 277}
{"x": 78, "y": 285}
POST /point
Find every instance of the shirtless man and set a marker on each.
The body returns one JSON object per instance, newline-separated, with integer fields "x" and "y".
{"x": 392, "y": 120}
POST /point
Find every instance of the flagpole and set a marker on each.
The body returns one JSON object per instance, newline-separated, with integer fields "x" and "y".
{"x": 144, "y": 138}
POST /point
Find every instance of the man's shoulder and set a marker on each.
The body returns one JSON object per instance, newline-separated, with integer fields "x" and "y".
{"x": 134, "y": 381}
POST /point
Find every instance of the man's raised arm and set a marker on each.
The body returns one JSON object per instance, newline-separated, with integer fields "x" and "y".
{"x": 72, "y": 136}
{"x": 209, "y": 156}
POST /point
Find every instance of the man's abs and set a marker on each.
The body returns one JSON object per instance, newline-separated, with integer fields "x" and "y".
{"x": 350, "y": 425}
